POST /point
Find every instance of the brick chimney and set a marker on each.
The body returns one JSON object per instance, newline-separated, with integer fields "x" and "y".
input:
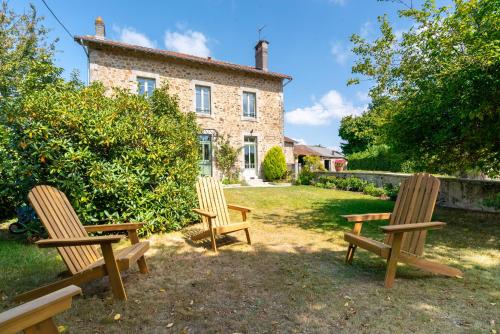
{"x": 100, "y": 29}
{"x": 261, "y": 62}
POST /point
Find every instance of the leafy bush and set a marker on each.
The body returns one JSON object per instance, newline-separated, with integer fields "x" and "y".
{"x": 225, "y": 157}
{"x": 391, "y": 191}
{"x": 351, "y": 184}
{"x": 493, "y": 201}
{"x": 373, "y": 190}
{"x": 274, "y": 164}
{"x": 377, "y": 157}
{"x": 119, "y": 158}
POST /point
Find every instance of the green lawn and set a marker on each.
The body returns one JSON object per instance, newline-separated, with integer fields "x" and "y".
{"x": 291, "y": 280}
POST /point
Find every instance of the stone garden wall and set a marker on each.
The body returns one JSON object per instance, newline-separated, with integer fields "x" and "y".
{"x": 454, "y": 192}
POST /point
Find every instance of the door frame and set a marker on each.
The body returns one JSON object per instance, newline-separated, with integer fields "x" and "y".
{"x": 211, "y": 145}
{"x": 249, "y": 173}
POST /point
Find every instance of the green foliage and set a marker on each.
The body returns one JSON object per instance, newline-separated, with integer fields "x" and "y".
{"x": 376, "y": 157}
{"x": 436, "y": 91}
{"x": 358, "y": 133}
{"x": 25, "y": 55}
{"x": 119, "y": 158}
{"x": 354, "y": 184}
{"x": 274, "y": 164}
{"x": 311, "y": 164}
{"x": 225, "y": 157}
{"x": 493, "y": 201}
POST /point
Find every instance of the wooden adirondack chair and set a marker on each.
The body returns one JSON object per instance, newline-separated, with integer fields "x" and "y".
{"x": 214, "y": 213}
{"x": 407, "y": 230}
{"x": 78, "y": 249}
{"x": 35, "y": 317}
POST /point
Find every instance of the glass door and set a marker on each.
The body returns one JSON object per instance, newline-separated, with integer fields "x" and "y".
{"x": 205, "y": 155}
{"x": 250, "y": 157}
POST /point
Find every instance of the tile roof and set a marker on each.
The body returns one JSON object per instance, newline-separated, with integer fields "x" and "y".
{"x": 289, "y": 140}
{"x": 316, "y": 151}
{"x": 94, "y": 41}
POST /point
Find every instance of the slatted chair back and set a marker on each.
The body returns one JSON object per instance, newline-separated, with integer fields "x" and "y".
{"x": 61, "y": 222}
{"x": 211, "y": 198}
{"x": 415, "y": 204}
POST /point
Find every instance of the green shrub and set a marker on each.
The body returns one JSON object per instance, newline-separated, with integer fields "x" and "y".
{"x": 119, "y": 158}
{"x": 378, "y": 157}
{"x": 371, "y": 189}
{"x": 391, "y": 191}
{"x": 274, "y": 164}
{"x": 226, "y": 156}
{"x": 493, "y": 201}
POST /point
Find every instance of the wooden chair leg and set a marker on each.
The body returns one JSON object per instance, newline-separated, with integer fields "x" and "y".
{"x": 350, "y": 253}
{"x": 247, "y": 232}
{"x": 212, "y": 239}
{"x": 392, "y": 261}
{"x": 113, "y": 273}
{"x": 134, "y": 239}
{"x": 45, "y": 327}
{"x": 143, "y": 266}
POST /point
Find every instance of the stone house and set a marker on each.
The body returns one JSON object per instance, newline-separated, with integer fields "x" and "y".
{"x": 326, "y": 155}
{"x": 243, "y": 103}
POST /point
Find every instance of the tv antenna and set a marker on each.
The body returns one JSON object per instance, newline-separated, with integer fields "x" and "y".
{"x": 260, "y": 30}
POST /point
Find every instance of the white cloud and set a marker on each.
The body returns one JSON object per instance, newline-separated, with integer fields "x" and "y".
{"x": 131, "y": 36}
{"x": 340, "y": 53}
{"x": 330, "y": 106}
{"x": 363, "y": 96}
{"x": 366, "y": 29}
{"x": 187, "y": 41}
{"x": 300, "y": 141}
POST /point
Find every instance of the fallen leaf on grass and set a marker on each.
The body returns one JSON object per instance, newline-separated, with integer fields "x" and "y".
{"x": 117, "y": 316}
{"x": 162, "y": 290}
{"x": 170, "y": 325}
{"x": 62, "y": 328}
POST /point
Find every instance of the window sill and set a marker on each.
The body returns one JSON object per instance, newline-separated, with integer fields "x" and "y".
{"x": 204, "y": 115}
{"x": 249, "y": 119}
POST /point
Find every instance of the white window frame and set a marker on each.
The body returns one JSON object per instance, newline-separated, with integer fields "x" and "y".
{"x": 257, "y": 99}
{"x": 146, "y": 85}
{"x": 210, "y": 85}
{"x": 134, "y": 84}
{"x": 246, "y": 103}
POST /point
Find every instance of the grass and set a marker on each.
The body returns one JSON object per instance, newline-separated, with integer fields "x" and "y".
{"x": 291, "y": 280}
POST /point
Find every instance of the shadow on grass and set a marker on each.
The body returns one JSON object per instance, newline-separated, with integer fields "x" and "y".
{"x": 465, "y": 229}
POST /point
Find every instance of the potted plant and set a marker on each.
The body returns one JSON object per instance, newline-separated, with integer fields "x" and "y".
{"x": 339, "y": 165}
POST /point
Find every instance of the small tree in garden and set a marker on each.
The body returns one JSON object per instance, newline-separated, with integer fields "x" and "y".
{"x": 274, "y": 164}
{"x": 225, "y": 157}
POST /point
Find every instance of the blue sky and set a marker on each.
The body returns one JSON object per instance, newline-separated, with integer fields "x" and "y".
{"x": 309, "y": 40}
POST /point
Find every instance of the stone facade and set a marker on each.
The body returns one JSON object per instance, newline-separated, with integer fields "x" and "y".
{"x": 121, "y": 68}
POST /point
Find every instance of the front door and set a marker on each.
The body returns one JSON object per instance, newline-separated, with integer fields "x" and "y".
{"x": 250, "y": 157}
{"x": 205, "y": 155}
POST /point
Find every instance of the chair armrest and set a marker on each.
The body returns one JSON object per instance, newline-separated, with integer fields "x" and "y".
{"x": 31, "y": 313}
{"x": 109, "y": 239}
{"x": 238, "y": 208}
{"x": 205, "y": 213}
{"x": 367, "y": 216}
{"x": 114, "y": 227}
{"x": 412, "y": 227}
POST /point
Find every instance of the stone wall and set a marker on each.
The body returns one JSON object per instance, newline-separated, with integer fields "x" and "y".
{"x": 453, "y": 193}
{"x": 288, "y": 151}
{"x": 118, "y": 68}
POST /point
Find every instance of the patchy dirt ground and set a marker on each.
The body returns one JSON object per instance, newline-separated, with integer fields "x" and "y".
{"x": 293, "y": 279}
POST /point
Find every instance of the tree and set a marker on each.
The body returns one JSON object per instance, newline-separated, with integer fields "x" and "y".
{"x": 225, "y": 157}
{"x": 26, "y": 57}
{"x": 437, "y": 89}
{"x": 274, "y": 164}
